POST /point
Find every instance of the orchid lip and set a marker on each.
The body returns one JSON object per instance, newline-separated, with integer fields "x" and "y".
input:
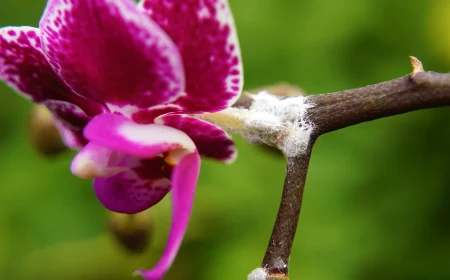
{"x": 85, "y": 168}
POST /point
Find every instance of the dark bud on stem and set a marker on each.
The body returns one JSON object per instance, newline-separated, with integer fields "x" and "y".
{"x": 132, "y": 232}
{"x": 44, "y": 135}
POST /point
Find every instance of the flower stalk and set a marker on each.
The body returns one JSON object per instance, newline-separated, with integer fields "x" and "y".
{"x": 276, "y": 259}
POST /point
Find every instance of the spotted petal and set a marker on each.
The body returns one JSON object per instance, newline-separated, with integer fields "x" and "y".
{"x": 184, "y": 180}
{"x": 129, "y": 192}
{"x": 135, "y": 166}
{"x": 24, "y": 67}
{"x": 107, "y": 50}
{"x": 70, "y": 114}
{"x": 123, "y": 184}
{"x": 210, "y": 140}
{"x": 126, "y": 160}
{"x": 205, "y": 34}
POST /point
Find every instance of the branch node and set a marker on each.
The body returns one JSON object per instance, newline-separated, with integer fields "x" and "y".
{"x": 263, "y": 274}
{"x": 416, "y": 65}
{"x": 280, "y": 122}
{"x": 270, "y": 119}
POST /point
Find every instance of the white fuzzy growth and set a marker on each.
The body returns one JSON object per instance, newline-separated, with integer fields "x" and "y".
{"x": 285, "y": 118}
{"x": 258, "y": 274}
{"x": 272, "y": 120}
{"x": 297, "y": 140}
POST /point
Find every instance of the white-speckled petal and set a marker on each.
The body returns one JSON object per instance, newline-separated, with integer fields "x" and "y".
{"x": 109, "y": 51}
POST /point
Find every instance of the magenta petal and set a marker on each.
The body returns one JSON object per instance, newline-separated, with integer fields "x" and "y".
{"x": 95, "y": 160}
{"x": 123, "y": 184}
{"x": 70, "y": 121}
{"x": 72, "y": 137}
{"x": 136, "y": 189}
{"x": 210, "y": 140}
{"x": 24, "y": 67}
{"x": 149, "y": 116}
{"x": 184, "y": 181}
{"x": 205, "y": 34}
{"x": 107, "y": 50}
{"x": 139, "y": 140}
{"x": 69, "y": 113}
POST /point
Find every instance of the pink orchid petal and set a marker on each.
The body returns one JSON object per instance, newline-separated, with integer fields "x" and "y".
{"x": 95, "y": 160}
{"x": 129, "y": 194}
{"x": 210, "y": 140}
{"x": 139, "y": 140}
{"x": 24, "y": 67}
{"x": 122, "y": 183}
{"x": 70, "y": 120}
{"x": 107, "y": 50}
{"x": 205, "y": 34}
{"x": 149, "y": 116}
{"x": 72, "y": 137}
{"x": 135, "y": 189}
{"x": 72, "y": 115}
{"x": 184, "y": 181}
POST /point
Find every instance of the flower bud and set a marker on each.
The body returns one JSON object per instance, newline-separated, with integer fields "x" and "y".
{"x": 132, "y": 232}
{"x": 44, "y": 135}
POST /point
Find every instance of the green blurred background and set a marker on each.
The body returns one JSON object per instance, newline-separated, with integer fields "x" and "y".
{"x": 377, "y": 195}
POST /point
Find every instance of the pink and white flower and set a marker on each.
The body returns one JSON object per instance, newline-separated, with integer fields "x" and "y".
{"x": 121, "y": 80}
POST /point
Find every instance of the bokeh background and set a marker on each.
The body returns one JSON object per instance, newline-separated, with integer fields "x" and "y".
{"x": 377, "y": 195}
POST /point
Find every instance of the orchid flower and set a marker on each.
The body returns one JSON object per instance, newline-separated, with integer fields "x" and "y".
{"x": 121, "y": 80}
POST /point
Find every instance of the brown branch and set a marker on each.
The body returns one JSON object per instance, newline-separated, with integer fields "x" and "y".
{"x": 333, "y": 111}
{"x": 278, "y": 251}
{"x": 417, "y": 91}
{"x": 336, "y": 110}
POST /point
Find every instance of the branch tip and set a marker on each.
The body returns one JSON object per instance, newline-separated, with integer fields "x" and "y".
{"x": 416, "y": 65}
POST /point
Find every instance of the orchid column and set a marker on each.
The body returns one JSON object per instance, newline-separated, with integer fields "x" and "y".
{"x": 119, "y": 79}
